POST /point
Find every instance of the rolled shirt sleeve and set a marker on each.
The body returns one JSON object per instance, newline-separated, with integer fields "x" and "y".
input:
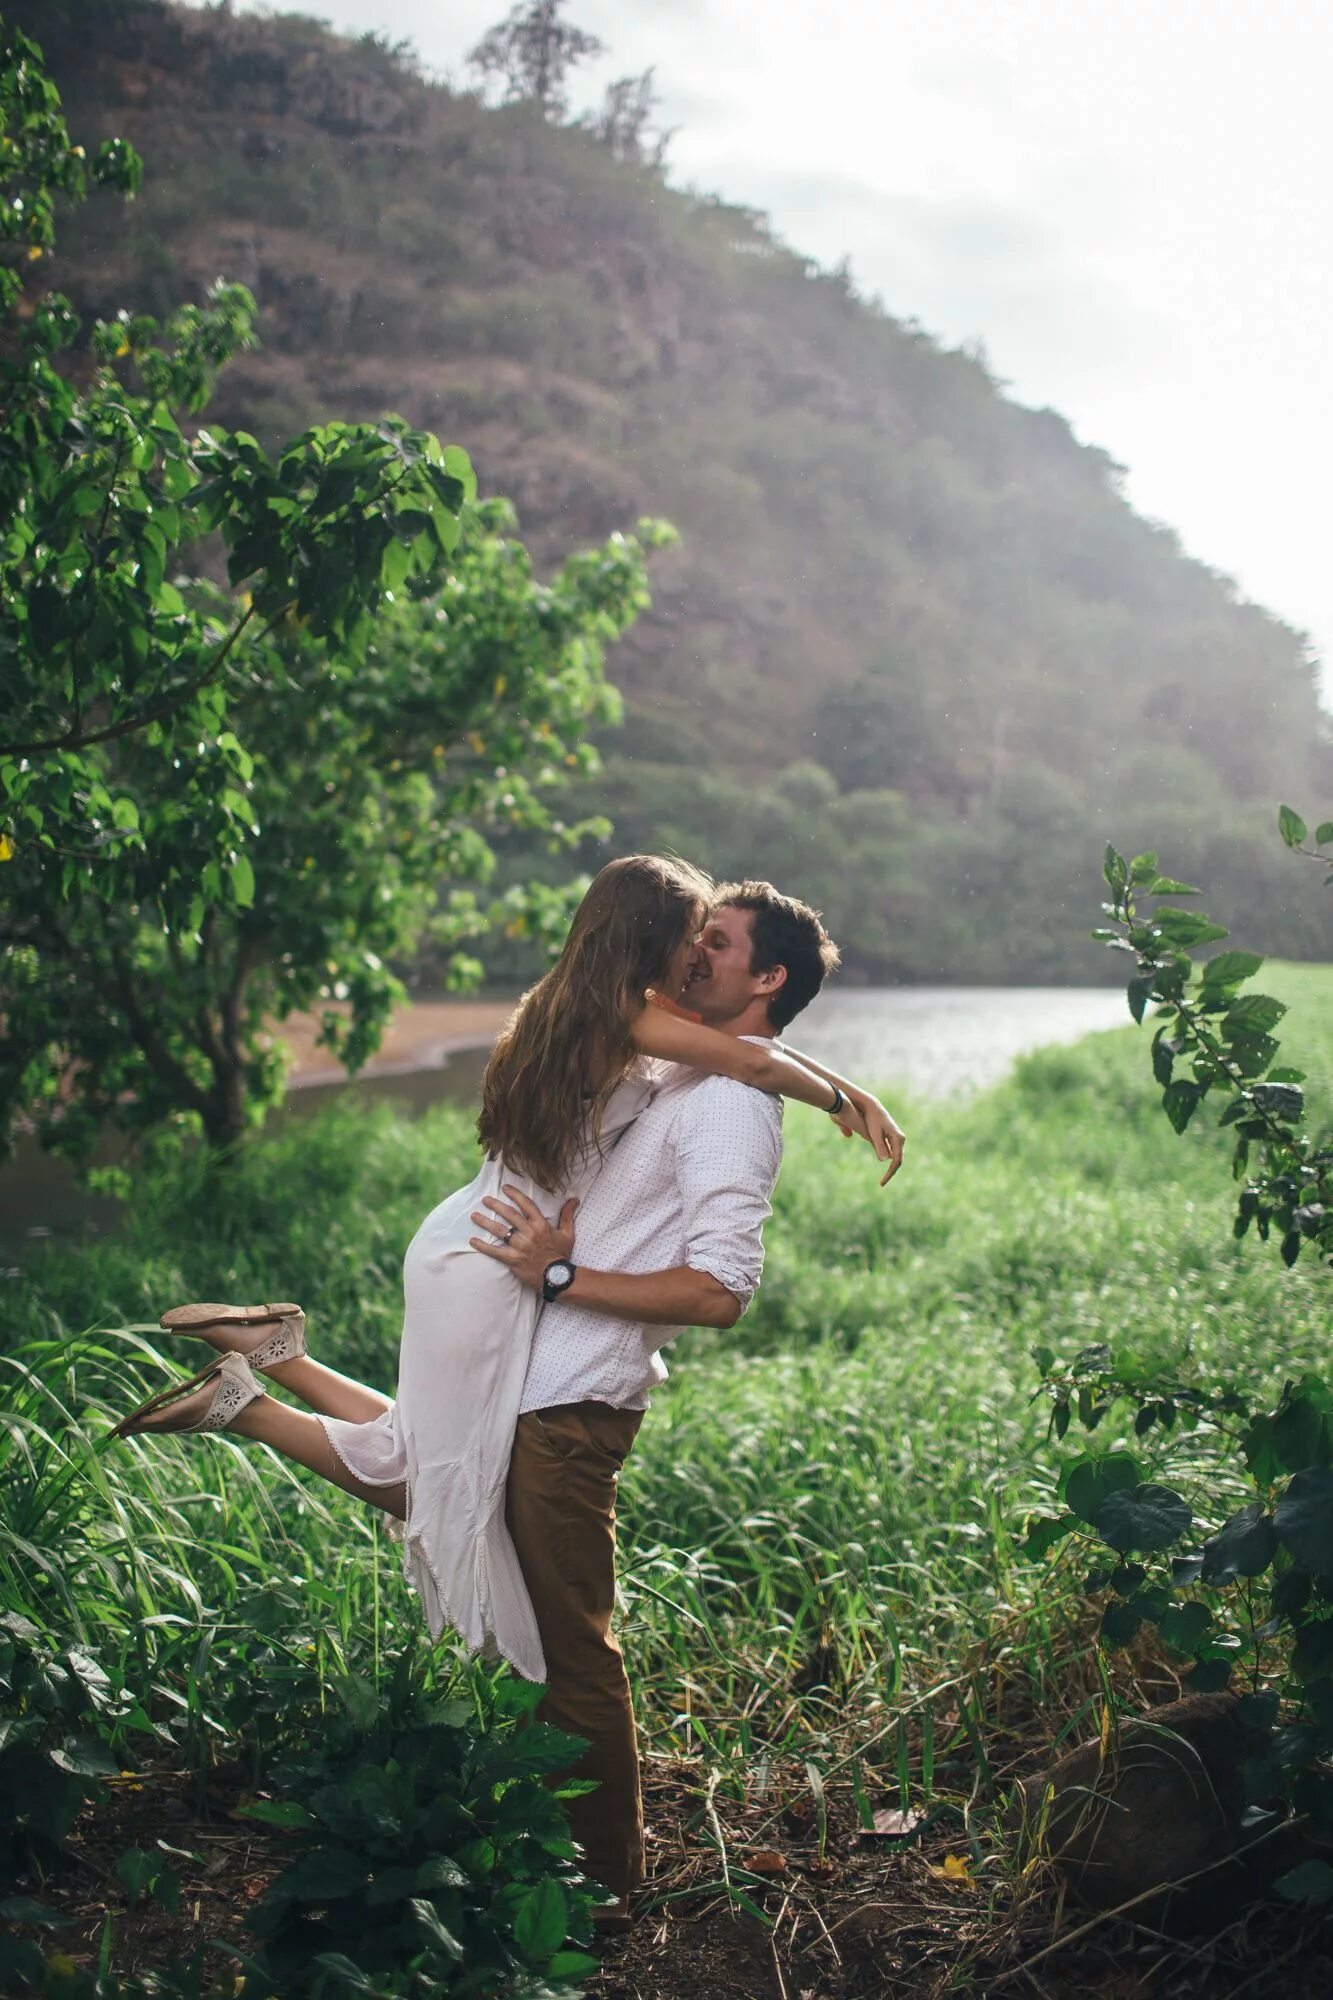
{"x": 728, "y": 1153}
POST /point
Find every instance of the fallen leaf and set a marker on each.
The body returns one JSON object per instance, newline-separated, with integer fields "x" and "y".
{"x": 957, "y": 1868}
{"x": 892, "y": 1824}
{"x": 766, "y": 1861}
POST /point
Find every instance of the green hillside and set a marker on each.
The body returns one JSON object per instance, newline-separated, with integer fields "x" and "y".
{"x": 915, "y": 657}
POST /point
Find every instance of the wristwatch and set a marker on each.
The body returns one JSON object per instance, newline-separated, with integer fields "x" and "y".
{"x": 557, "y": 1278}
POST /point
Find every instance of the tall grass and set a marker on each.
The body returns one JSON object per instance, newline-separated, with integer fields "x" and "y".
{"x": 820, "y": 1516}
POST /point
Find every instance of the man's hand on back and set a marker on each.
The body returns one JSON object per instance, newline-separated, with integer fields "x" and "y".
{"x": 520, "y": 1236}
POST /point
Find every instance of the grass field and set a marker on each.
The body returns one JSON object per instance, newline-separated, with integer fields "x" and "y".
{"x": 819, "y": 1521}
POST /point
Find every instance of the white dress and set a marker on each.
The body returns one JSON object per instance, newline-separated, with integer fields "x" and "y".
{"x": 467, "y": 1333}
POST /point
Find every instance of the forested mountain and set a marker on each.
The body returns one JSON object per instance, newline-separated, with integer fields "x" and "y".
{"x": 915, "y": 657}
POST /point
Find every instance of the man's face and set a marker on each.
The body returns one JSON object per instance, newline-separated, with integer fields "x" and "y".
{"x": 721, "y": 985}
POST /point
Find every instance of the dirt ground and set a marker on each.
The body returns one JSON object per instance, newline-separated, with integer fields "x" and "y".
{"x": 418, "y": 1035}
{"x": 856, "y": 1917}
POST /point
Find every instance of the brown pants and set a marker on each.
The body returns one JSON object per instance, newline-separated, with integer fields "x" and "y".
{"x": 560, "y": 1507}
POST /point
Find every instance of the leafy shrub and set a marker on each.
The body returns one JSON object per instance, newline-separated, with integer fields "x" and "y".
{"x": 1257, "y": 1592}
{"x": 1209, "y": 1036}
{"x": 1250, "y": 1601}
{"x": 427, "y": 1849}
{"x": 26, "y": 1969}
{"x": 53, "y": 1705}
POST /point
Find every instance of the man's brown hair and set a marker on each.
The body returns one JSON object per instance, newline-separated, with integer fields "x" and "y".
{"x": 787, "y": 933}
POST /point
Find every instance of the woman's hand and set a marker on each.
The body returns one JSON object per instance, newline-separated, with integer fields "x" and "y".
{"x": 864, "y": 1117}
{"x": 520, "y": 1236}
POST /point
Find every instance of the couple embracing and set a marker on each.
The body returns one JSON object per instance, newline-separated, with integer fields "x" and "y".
{"x": 632, "y": 1130}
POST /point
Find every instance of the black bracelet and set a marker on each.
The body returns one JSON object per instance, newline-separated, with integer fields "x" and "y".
{"x": 838, "y": 1101}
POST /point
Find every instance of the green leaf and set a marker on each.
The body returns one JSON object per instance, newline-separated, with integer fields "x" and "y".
{"x": 1244, "y": 1546}
{"x": 1139, "y": 992}
{"x": 1180, "y": 1101}
{"x": 1043, "y": 1534}
{"x": 428, "y": 1917}
{"x": 1252, "y": 1014}
{"x": 1162, "y": 885}
{"x": 1309, "y": 1882}
{"x": 1291, "y": 826}
{"x": 391, "y": 1885}
{"x": 1285, "y": 1101}
{"x": 1228, "y": 968}
{"x": 243, "y": 882}
{"x": 135, "y": 1869}
{"x": 1120, "y": 1622}
{"x": 324, "y": 1875}
{"x": 1297, "y": 1434}
{"x": 572, "y": 1965}
{"x": 1114, "y": 869}
{"x": 516, "y": 1697}
{"x": 85, "y": 1757}
{"x": 1089, "y": 1482}
{"x": 1258, "y": 1711}
{"x": 1184, "y": 1626}
{"x": 1143, "y": 1518}
{"x": 439, "y": 1871}
{"x": 1314, "y": 1649}
{"x": 349, "y": 1974}
{"x": 397, "y": 562}
{"x": 542, "y": 1919}
{"x": 459, "y": 466}
{"x": 276, "y": 1812}
{"x": 1323, "y": 833}
{"x": 1304, "y": 1519}
{"x": 1186, "y": 927}
{"x": 27, "y": 1910}
{"x": 1164, "y": 1054}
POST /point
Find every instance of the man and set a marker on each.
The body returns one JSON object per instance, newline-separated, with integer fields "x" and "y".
{"x": 669, "y": 1235}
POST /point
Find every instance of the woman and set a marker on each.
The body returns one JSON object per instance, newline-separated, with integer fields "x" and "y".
{"x": 570, "y": 1071}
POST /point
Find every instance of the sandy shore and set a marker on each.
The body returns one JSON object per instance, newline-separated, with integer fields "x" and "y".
{"x": 419, "y": 1036}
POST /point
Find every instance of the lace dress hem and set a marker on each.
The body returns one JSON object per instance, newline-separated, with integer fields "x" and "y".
{"x": 476, "y": 1631}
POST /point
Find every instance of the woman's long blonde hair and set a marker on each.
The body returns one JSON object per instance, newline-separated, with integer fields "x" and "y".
{"x": 568, "y": 1045}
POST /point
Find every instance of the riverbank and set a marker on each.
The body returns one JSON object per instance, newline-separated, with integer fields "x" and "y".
{"x": 934, "y": 1041}
{"x": 419, "y": 1037}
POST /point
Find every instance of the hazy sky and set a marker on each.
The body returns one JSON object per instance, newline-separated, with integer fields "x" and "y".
{"x": 1125, "y": 201}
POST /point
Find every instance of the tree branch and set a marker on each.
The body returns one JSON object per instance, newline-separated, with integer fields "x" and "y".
{"x": 159, "y": 1061}
{"x": 74, "y": 741}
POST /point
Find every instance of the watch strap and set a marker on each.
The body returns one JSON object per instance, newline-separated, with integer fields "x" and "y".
{"x": 551, "y": 1291}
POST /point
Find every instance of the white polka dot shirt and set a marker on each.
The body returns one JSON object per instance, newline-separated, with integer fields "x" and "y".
{"x": 688, "y": 1183}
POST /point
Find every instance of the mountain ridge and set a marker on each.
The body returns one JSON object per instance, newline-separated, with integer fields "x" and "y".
{"x": 902, "y": 601}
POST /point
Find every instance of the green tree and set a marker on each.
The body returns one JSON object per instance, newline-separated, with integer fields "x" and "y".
{"x": 103, "y": 634}
{"x": 532, "y": 51}
{"x": 361, "y": 797}
{"x": 218, "y": 807}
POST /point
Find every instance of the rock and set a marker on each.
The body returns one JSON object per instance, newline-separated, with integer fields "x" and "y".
{"x": 1164, "y": 1802}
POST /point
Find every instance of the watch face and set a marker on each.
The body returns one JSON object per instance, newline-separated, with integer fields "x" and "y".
{"x": 559, "y": 1274}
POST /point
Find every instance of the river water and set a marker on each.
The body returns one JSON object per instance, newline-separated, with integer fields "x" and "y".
{"x": 933, "y": 1041}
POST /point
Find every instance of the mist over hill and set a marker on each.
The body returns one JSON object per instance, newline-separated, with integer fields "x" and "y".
{"x": 915, "y": 658}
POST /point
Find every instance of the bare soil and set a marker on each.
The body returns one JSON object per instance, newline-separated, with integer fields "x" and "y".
{"x": 854, "y": 1917}
{"x": 419, "y": 1034}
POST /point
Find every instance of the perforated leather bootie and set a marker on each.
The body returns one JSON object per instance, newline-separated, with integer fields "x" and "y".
{"x": 265, "y": 1335}
{"x": 209, "y": 1401}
